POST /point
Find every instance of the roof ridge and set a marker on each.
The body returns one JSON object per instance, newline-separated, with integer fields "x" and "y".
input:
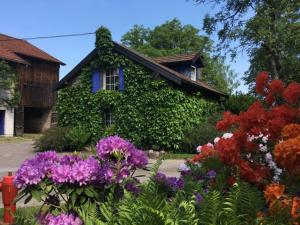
{"x": 176, "y": 55}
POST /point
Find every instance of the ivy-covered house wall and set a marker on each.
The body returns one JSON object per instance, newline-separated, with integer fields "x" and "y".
{"x": 149, "y": 111}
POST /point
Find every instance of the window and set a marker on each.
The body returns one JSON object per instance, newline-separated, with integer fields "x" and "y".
{"x": 193, "y": 73}
{"x": 108, "y": 119}
{"x": 111, "y": 79}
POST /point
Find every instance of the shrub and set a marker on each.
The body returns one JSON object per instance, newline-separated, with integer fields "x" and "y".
{"x": 78, "y": 137}
{"x": 54, "y": 139}
{"x": 238, "y": 102}
{"x": 63, "y": 139}
{"x": 202, "y": 134}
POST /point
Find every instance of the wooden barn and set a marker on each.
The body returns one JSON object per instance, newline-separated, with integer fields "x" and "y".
{"x": 37, "y": 73}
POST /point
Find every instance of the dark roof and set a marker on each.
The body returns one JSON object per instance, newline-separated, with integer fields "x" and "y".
{"x": 12, "y": 49}
{"x": 149, "y": 63}
{"x": 193, "y": 58}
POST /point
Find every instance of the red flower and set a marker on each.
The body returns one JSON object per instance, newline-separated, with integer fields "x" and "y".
{"x": 262, "y": 80}
{"x": 270, "y": 99}
{"x": 276, "y": 87}
{"x": 292, "y": 93}
{"x": 252, "y": 174}
{"x": 229, "y": 150}
{"x": 228, "y": 121}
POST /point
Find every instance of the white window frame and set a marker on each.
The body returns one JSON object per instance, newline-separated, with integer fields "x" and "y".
{"x": 115, "y": 85}
{"x": 193, "y": 73}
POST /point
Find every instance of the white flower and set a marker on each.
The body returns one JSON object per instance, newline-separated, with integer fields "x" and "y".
{"x": 209, "y": 144}
{"x": 265, "y": 139}
{"x": 183, "y": 167}
{"x": 227, "y": 135}
{"x": 272, "y": 165}
{"x": 199, "y": 148}
{"x": 248, "y": 156}
{"x": 216, "y": 140}
{"x": 263, "y": 148}
{"x": 268, "y": 157}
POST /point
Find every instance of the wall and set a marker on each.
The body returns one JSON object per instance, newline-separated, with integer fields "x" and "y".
{"x": 9, "y": 121}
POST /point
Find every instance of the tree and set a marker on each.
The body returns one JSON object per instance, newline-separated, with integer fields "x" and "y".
{"x": 9, "y": 96}
{"x": 269, "y": 30}
{"x": 173, "y": 38}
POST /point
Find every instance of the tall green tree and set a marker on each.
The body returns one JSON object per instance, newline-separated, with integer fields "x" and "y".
{"x": 173, "y": 38}
{"x": 9, "y": 95}
{"x": 269, "y": 31}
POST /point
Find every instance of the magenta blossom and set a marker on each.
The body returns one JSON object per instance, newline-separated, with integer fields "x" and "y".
{"x": 113, "y": 144}
{"x": 62, "y": 219}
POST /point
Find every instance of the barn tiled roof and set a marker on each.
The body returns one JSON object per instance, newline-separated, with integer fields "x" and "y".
{"x": 177, "y": 58}
{"x": 12, "y": 49}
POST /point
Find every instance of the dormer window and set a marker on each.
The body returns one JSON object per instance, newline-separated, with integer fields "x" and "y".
{"x": 111, "y": 79}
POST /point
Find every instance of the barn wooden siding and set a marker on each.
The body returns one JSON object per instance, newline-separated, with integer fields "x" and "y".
{"x": 36, "y": 83}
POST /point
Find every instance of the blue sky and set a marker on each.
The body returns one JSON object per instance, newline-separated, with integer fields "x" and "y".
{"x": 33, "y": 18}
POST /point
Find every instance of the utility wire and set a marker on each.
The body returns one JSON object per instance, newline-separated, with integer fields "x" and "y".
{"x": 48, "y": 37}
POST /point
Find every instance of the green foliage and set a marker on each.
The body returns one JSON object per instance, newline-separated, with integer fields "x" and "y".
{"x": 54, "y": 139}
{"x": 104, "y": 48}
{"x": 173, "y": 38}
{"x": 202, "y": 134}
{"x": 238, "y": 102}
{"x": 25, "y": 216}
{"x": 9, "y": 94}
{"x": 78, "y": 137}
{"x": 149, "y": 112}
{"x": 267, "y": 29}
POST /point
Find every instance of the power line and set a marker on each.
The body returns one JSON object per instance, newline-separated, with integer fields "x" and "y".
{"x": 48, "y": 37}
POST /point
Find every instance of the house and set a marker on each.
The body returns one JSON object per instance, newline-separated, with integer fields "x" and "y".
{"x": 151, "y": 101}
{"x": 37, "y": 73}
{"x": 184, "y": 71}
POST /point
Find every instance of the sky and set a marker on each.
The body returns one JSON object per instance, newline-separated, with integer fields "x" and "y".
{"x": 33, "y": 18}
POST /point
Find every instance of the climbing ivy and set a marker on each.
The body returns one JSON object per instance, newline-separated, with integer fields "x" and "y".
{"x": 149, "y": 111}
{"x": 9, "y": 94}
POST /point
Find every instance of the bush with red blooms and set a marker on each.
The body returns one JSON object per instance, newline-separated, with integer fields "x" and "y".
{"x": 263, "y": 147}
{"x": 261, "y": 124}
{"x": 287, "y": 152}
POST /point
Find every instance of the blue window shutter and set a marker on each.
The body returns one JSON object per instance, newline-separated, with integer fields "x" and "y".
{"x": 96, "y": 81}
{"x": 121, "y": 79}
{"x": 2, "y": 118}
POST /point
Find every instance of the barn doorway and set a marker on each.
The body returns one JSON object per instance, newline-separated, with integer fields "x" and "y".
{"x": 36, "y": 120}
{"x": 2, "y": 120}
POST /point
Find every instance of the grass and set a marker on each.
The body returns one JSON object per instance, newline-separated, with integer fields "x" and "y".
{"x": 172, "y": 155}
{"x": 16, "y": 139}
{"x": 24, "y": 216}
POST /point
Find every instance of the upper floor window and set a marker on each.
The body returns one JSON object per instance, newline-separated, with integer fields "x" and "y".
{"x": 111, "y": 79}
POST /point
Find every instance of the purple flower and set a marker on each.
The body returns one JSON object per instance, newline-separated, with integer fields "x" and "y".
{"x": 172, "y": 183}
{"x": 160, "y": 177}
{"x": 199, "y": 198}
{"x": 131, "y": 187}
{"x": 32, "y": 171}
{"x": 85, "y": 171}
{"x": 211, "y": 174}
{"x": 138, "y": 159}
{"x": 113, "y": 144}
{"x": 62, "y": 219}
{"x": 175, "y": 183}
{"x": 61, "y": 173}
{"x": 106, "y": 173}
